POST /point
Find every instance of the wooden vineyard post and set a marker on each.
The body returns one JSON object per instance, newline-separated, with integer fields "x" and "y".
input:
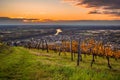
{"x": 93, "y": 59}
{"x": 108, "y": 62}
{"x": 71, "y": 50}
{"x": 79, "y": 52}
{"x": 64, "y": 48}
{"x": 107, "y": 56}
{"x": 60, "y": 48}
{"x": 39, "y": 45}
{"x": 59, "y": 51}
{"x": 46, "y": 45}
{"x": 42, "y": 44}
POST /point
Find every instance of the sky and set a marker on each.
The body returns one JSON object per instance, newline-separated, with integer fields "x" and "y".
{"x": 58, "y": 10}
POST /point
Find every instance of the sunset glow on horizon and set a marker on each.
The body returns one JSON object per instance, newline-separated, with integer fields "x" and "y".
{"x": 52, "y": 10}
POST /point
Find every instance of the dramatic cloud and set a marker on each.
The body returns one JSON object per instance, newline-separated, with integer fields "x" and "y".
{"x": 115, "y": 13}
{"x": 94, "y": 12}
{"x": 108, "y": 6}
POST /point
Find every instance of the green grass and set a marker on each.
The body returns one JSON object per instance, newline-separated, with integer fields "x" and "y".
{"x": 25, "y": 64}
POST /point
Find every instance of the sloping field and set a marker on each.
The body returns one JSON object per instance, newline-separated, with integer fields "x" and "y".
{"x": 25, "y": 64}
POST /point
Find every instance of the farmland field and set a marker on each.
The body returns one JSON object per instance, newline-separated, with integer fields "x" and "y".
{"x": 32, "y": 64}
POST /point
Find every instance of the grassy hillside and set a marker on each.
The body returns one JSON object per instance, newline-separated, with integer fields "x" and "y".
{"x": 25, "y": 64}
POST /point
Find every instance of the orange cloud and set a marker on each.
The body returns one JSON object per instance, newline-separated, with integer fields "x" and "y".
{"x": 107, "y": 7}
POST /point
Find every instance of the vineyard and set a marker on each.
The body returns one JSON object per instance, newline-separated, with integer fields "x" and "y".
{"x": 67, "y": 59}
{"x": 88, "y": 46}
